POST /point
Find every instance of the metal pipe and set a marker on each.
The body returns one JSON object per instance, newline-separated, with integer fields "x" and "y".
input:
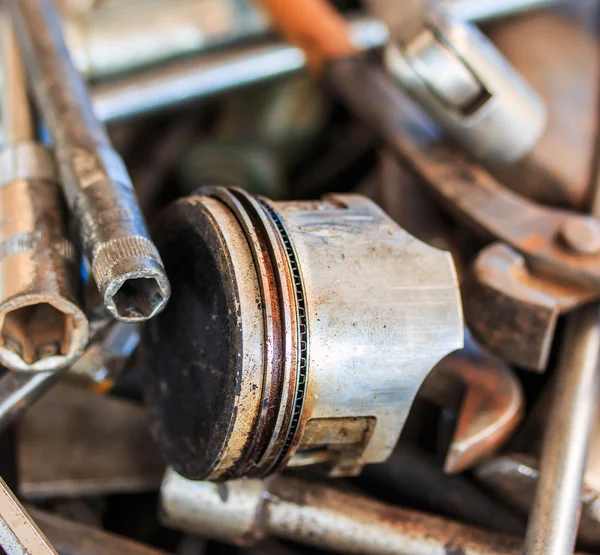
{"x": 245, "y": 511}
{"x": 205, "y": 76}
{"x": 125, "y": 263}
{"x": 19, "y": 534}
{"x": 132, "y": 35}
{"x": 42, "y": 326}
{"x": 554, "y": 521}
{"x": 478, "y": 11}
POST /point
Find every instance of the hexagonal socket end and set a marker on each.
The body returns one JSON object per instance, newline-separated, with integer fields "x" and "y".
{"x": 132, "y": 279}
{"x": 41, "y": 332}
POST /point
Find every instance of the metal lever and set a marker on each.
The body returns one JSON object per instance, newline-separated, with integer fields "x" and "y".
{"x": 455, "y": 72}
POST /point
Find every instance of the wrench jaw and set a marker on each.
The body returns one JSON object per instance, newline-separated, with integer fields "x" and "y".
{"x": 512, "y": 312}
{"x": 488, "y": 399}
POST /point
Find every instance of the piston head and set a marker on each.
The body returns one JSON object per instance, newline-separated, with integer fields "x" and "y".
{"x": 297, "y": 333}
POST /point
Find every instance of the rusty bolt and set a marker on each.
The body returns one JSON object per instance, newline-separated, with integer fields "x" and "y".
{"x": 582, "y": 235}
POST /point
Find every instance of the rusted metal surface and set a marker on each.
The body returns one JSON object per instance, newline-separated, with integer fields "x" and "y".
{"x": 492, "y": 407}
{"x": 74, "y": 443}
{"x": 318, "y": 515}
{"x": 19, "y": 534}
{"x": 74, "y": 538}
{"x": 124, "y": 262}
{"x": 554, "y": 520}
{"x": 464, "y": 188}
{"x": 275, "y": 261}
{"x": 42, "y": 324}
{"x": 511, "y": 310}
{"x": 513, "y": 478}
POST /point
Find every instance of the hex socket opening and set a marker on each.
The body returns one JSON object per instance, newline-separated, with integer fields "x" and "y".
{"x": 138, "y": 298}
{"x": 37, "y": 331}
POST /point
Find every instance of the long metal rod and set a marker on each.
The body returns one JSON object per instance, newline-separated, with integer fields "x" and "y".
{"x": 318, "y": 515}
{"x": 554, "y": 520}
{"x": 183, "y": 82}
{"x": 125, "y": 263}
{"x": 485, "y": 10}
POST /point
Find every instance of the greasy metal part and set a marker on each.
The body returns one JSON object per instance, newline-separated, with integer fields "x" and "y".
{"x": 125, "y": 264}
{"x": 104, "y": 360}
{"x": 74, "y": 538}
{"x": 513, "y": 478}
{"x": 324, "y": 355}
{"x": 19, "y": 390}
{"x": 554, "y": 520}
{"x": 19, "y": 534}
{"x": 416, "y": 477}
{"x": 492, "y": 406}
{"x": 134, "y": 35}
{"x": 455, "y": 72}
{"x": 182, "y": 82}
{"x": 42, "y": 326}
{"x": 486, "y": 10}
{"x": 464, "y": 188}
{"x": 512, "y": 311}
{"x": 75, "y": 443}
{"x": 244, "y": 511}
{"x": 565, "y": 71}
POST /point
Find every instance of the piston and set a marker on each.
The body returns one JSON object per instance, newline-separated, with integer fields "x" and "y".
{"x": 298, "y": 333}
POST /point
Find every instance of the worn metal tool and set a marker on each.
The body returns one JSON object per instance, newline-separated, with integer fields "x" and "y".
{"x": 243, "y": 511}
{"x": 554, "y": 520}
{"x": 456, "y": 73}
{"x": 491, "y": 407}
{"x": 325, "y": 353}
{"x": 125, "y": 263}
{"x": 514, "y": 479}
{"x": 556, "y": 244}
{"x": 42, "y": 326}
{"x": 513, "y": 311}
{"x": 19, "y": 534}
